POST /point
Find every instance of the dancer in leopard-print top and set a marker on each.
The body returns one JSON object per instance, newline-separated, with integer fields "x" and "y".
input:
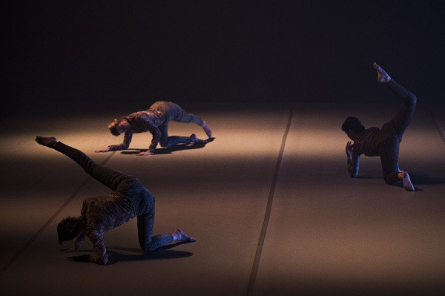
{"x": 155, "y": 120}
{"x": 128, "y": 199}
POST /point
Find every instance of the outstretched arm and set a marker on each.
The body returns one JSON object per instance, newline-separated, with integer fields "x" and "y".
{"x": 125, "y": 144}
{"x": 353, "y": 160}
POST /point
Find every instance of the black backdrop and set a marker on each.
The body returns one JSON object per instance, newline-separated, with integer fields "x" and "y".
{"x": 93, "y": 53}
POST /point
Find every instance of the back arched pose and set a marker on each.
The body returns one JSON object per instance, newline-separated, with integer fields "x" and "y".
{"x": 128, "y": 199}
{"x": 384, "y": 141}
{"x": 155, "y": 120}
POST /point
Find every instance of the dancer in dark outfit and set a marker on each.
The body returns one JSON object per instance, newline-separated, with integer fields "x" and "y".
{"x": 382, "y": 142}
{"x": 128, "y": 199}
{"x": 155, "y": 120}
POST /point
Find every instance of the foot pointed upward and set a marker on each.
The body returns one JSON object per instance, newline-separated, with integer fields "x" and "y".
{"x": 181, "y": 236}
{"x": 382, "y": 76}
{"x": 46, "y": 141}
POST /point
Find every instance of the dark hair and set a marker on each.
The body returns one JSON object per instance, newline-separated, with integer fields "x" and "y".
{"x": 113, "y": 127}
{"x": 352, "y": 124}
{"x": 68, "y": 229}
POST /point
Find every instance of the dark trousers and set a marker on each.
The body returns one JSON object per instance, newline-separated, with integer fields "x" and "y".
{"x": 173, "y": 112}
{"x": 392, "y": 132}
{"x": 125, "y": 186}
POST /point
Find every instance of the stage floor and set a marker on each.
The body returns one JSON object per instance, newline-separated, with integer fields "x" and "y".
{"x": 269, "y": 201}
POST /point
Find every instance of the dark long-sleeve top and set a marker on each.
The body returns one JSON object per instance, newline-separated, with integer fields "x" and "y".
{"x": 365, "y": 143}
{"x": 371, "y": 140}
{"x": 142, "y": 121}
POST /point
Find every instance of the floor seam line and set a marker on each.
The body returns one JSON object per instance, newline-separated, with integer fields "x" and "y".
{"x": 436, "y": 124}
{"x": 256, "y": 262}
{"x": 47, "y": 223}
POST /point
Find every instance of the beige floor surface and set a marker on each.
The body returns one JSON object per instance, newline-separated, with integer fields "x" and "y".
{"x": 327, "y": 233}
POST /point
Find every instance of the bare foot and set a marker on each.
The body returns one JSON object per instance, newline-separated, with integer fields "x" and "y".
{"x": 195, "y": 140}
{"x": 207, "y": 129}
{"x": 407, "y": 182}
{"x": 382, "y": 76}
{"x": 46, "y": 141}
{"x": 181, "y": 236}
{"x": 102, "y": 150}
{"x": 144, "y": 153}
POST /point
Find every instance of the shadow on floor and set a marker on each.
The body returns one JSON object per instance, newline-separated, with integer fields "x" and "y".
{"x": 368, "y": 177}
{"x": 169, "y": 150}
{"x": 426, "y": 180}
{"x": 422, "y": 180}
{"x": 415, "y": 178}
{"x": 115, "y": 257}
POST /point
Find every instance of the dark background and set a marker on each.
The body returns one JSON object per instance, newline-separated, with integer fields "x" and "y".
{"x": 92, "y": 54}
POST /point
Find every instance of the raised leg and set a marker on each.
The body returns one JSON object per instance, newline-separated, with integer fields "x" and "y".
{"x": 108, "y": 177}
{"x": 382, "y": 76}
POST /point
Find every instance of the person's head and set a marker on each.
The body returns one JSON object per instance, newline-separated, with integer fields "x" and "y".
{"x": 68, "y": 229}
{"x": 352, "y": 126}
{"x": 118, "y": 126}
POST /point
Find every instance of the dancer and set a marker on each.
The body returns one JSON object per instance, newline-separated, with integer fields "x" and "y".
{"x": 382, "y": 142}
{"x": 128, "y": 199}
{"x": 155, "y": 120}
